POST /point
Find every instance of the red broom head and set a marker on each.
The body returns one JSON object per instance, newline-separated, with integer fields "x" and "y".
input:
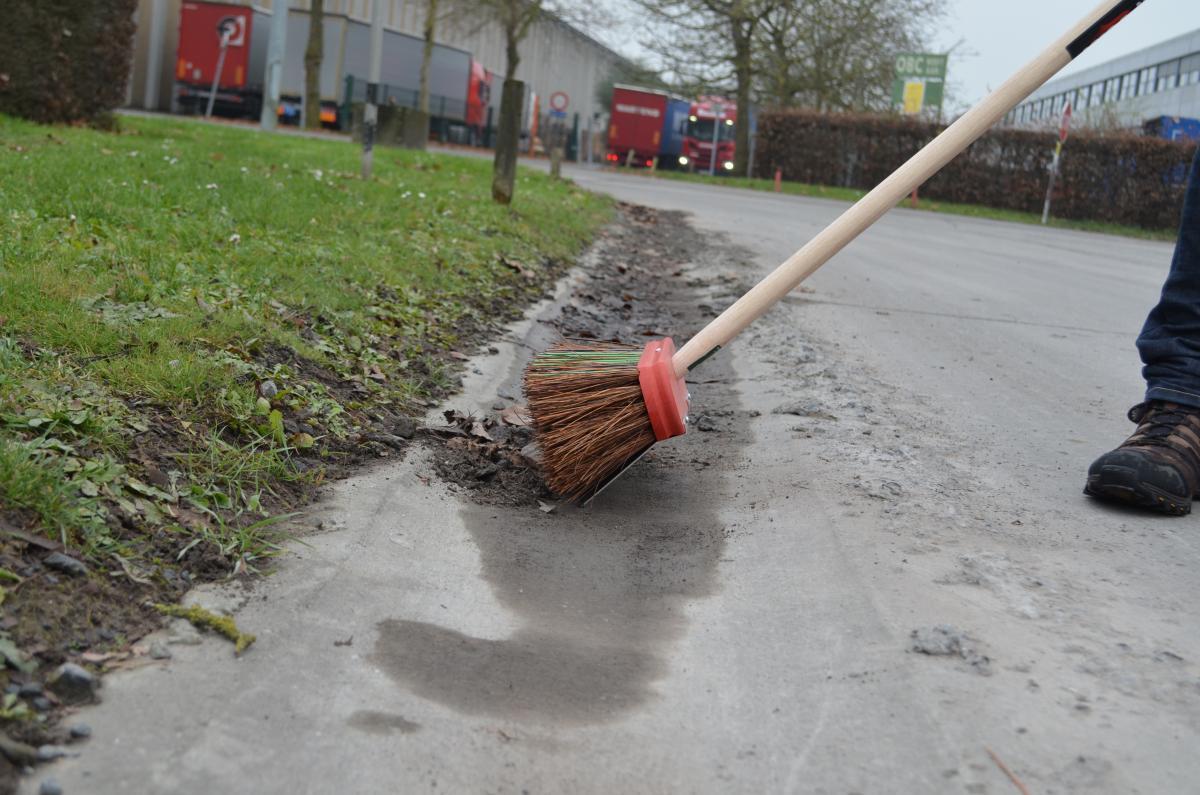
{"x": 588, "y": 402}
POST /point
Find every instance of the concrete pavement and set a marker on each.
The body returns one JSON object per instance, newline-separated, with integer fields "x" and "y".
{"x": 907, "y": 452}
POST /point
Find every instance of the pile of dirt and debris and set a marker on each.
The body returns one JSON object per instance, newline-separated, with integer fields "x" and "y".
{"x": 493, "y": 457}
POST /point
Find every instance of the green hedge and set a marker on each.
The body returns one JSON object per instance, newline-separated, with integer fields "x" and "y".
{"x": 65, "y": 61}
{"x": 1122, "y": 179}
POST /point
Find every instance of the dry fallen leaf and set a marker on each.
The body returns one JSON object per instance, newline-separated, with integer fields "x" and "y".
{"x": 479, "y": 431}
{"x": 516, "y": 414}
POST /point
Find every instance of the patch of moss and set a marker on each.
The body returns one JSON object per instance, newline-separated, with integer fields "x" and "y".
{"x": 206, "y": 619}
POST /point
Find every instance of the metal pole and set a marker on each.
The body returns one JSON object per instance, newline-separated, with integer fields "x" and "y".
{"x": 154, "y": 54}
{"x": 216, "y": 83}
{"x": 753, "y": 142}
{"x": 273, "y": 78}
{"x": 371, "y": 110}
{"x": 712, "y": 163}
{"x": 1053, "y": 177}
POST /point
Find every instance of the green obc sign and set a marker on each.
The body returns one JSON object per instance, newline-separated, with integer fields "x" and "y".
{"x": 920, "y": 82}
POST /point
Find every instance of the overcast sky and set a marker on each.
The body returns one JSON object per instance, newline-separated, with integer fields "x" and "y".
{"x": 999, "y": 36}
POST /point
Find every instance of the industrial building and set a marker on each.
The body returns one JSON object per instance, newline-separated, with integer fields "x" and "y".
{"x": 1135, "y": 91}
{"x": 556, "y": 58}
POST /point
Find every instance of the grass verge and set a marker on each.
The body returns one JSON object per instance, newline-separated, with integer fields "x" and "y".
{"x": 949, "y": 208}
{"x": 200, "y": 323}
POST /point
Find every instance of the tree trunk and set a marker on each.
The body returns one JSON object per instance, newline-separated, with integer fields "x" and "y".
{"x": 508, "y": 137}
{"x": 312, "y": 65}
{"x": 744, "y": 70}
{"x": 431, "y": 9}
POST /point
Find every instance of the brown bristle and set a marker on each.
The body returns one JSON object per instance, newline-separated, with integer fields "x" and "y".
{"x": 588, "y": 411}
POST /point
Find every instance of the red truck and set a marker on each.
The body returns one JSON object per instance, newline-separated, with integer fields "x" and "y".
{"x": 645, "y": 124}
{"x": 710, "y": 119}
{"x": 201, "y": 28}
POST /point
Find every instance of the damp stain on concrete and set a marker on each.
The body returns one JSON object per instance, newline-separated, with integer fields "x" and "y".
{"x": 381, "y": 723}
{"x": 528, "y": 676}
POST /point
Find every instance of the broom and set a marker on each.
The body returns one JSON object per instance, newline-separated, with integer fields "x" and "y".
{"x": 598, "y": 407}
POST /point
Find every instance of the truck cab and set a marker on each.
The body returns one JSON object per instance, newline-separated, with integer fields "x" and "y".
{"x": 710, "y": 118}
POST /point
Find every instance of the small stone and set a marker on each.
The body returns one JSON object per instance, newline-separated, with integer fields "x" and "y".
{"x": 64, "y": 563}
{"x": 13, "y": 687}
{"x": 30, "y": 690}
{"x": 48, "y": 753}
{"x": 159, "y": 651}
{"x": 811, "y": 409}
{"x": 388, "y": 439}
{"x": 268, "y": 389}
{"x": 493, "y": 350}
{"x": 705, "y": 423}
{"x": 18, "y": 753}
{"x": 73, "y": 684}
{"x": 107, "y": 634}
{"x": 42, "y": 704}
{"x": 499, "y": 405}
{"x": 531, "y": 454}
{"x": 936, "y": 641}
{"x": 405, "y": 428}
{"x": 81, "y": 730}
{"x": 50, "y": 787}
{"x": 183, "y": 633}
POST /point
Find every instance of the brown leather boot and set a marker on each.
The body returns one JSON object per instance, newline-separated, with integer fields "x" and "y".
{"x": 1156, "y": 468}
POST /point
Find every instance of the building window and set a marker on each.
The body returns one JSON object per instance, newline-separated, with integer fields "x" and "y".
{"x": 1189, "y": 68}
{"x": 1168, "y": 75}
{"x": 1112, "y": 89}
{"x": 1129, "y": 85}
{"x": 1147, "y": 79}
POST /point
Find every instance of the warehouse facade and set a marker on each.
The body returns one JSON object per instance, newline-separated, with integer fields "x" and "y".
{"x": 1126, "y": 92}
{"x": 555, "y": 57}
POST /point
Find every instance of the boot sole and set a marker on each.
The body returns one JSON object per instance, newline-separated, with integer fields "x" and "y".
{"x": 1120, "y": 484}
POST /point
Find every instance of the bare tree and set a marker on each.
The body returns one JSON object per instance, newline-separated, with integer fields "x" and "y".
{"x": 712, "y": 42}
{"x": 836, "y": 55}
{"x": 313, "y": 54}
{"x": 515, "y": 17}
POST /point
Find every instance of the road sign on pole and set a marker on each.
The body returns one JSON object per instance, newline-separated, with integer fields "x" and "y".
{"x": 920, "y": 82}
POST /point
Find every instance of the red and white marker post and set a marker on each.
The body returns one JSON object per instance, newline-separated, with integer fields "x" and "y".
{"x": 1064, "y": 129}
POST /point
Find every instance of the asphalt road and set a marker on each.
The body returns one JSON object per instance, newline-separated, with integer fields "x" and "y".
{"x": 916, "y": 431}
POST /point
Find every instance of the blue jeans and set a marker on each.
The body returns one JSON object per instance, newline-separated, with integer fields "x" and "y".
{"x": 1170, "y": 340}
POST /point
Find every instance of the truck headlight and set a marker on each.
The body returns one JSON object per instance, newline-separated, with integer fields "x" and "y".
{"x": 728, "y": 165}
{"x": 683, "y": 161}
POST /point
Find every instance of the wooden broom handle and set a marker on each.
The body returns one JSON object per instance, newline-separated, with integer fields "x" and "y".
{"x": 923, "y": 165}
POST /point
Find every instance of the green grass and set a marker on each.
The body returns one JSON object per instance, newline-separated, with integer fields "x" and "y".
{"x": 950, "y": 208}
{"x": 151, "y": 280}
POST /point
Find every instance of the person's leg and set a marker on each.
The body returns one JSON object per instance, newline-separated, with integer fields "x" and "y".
{"x": 1170, "y": 341}
{"x": 1158, "y": 467}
